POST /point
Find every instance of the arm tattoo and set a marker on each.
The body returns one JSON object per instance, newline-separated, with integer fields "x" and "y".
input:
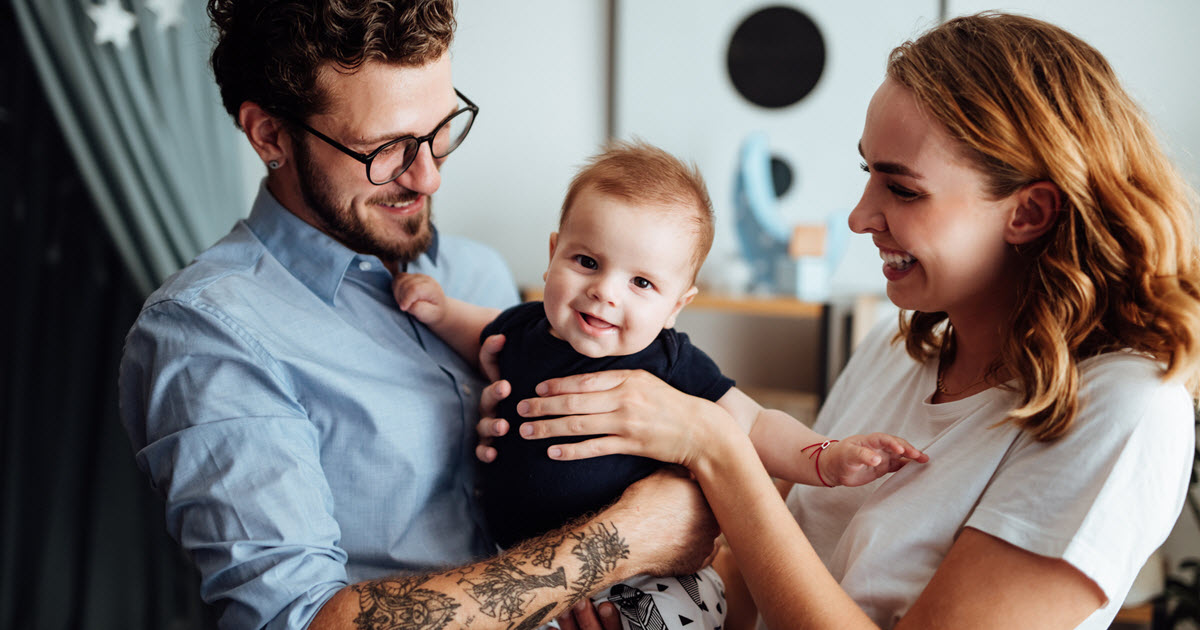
{"x": 502, "y": 587}
{"x": 598, "y": 549}
{"x": 536, "y": 619}
{"x": 388, "y": 604}
{"x": 505, "y": 589}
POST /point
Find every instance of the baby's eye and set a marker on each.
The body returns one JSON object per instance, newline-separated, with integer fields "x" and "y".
{"x": 642, "y": 283}
{"x": 587, "y": 262}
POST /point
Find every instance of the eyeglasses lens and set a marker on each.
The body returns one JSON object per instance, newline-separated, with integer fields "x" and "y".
{"x": 395, "y": 158}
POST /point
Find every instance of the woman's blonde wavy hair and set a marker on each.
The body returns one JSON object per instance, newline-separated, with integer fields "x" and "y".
{"x": 1030, "y": 102}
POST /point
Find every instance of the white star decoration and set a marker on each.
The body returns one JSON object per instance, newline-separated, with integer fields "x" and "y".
{"x": 168, "y": 12}
{"x": 113, "y": 23}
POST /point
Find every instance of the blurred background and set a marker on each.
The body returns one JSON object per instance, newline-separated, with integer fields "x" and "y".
{"x": 120, "y": 165}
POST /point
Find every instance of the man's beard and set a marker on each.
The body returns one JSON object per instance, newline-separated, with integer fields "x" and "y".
{"x": 342, "y": 224}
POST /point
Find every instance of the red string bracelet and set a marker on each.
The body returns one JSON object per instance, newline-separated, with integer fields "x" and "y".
{"x": 820, "y": 446}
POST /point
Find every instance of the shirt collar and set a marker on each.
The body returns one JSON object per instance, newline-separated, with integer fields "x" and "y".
{"x": 312, "y": 256}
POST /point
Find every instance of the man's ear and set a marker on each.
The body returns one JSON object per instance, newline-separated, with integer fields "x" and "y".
{"x": 265, "y": 132}
{"x": 1036, "y": 210}
{"x": 684, "y": 300}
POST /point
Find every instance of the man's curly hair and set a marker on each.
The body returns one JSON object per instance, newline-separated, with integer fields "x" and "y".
{"x": 270, "y": 51}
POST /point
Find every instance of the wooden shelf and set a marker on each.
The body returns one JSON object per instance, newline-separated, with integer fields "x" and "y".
{"x": 761, "y": 305}
{"x": 1141, "y": 614}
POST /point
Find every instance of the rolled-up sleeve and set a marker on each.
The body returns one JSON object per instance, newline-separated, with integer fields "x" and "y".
{"x": 218, "y": 428}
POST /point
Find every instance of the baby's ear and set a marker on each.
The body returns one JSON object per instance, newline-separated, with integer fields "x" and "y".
{"x": 683, "y": 301}
{"x": 1035, "y": 212}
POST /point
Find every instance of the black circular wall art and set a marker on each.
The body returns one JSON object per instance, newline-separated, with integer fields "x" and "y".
{"x": 781, "y": 175}
{"x": 776, "y": 56}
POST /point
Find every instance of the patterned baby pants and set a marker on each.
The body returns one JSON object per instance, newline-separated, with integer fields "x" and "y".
{"x": 687, "y": 602}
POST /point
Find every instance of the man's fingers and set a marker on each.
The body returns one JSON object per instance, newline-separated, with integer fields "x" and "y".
{"x": 492, "y": 395}
{"x": 489, "y": 357}
{"x": 489, "y": 428}
{"x": 485, "y": 454}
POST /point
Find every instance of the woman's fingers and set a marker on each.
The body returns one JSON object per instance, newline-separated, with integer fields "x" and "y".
{"x": 569, "y": 404}
{"x": 591, "y": 424}
{"x": 595, "y": 447}
{"x": 579, "y": 383}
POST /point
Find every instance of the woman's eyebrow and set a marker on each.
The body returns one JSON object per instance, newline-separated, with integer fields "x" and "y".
{"x": 891, "y": 168}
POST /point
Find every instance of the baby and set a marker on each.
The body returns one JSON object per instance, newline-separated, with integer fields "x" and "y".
{"x": 635, "y": 228}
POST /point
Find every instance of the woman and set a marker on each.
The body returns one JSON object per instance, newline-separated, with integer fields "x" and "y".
{"x": 1043, "y": 251}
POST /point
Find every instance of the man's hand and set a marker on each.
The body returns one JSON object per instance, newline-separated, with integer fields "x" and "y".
{"x": 490, "y": 426}
{"x": 586, "y": 615}
{"x": 420, "y": 296}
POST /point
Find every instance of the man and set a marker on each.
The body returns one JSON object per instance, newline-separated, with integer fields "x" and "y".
{"x": 313, "y": 443}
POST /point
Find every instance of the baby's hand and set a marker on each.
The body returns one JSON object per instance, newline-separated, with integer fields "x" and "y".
{"x": 420, "y": 296}
{"x": 861, "y": 459}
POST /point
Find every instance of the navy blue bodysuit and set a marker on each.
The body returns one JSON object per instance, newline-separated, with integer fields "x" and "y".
{"x": 524, "y": 492}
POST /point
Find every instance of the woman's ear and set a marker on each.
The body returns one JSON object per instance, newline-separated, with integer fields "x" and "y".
{"x": 265, "y": 133}
{"x": 1036, "y": 210}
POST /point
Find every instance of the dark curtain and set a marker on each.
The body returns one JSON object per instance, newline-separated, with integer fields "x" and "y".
{"x": 82, "y": 541}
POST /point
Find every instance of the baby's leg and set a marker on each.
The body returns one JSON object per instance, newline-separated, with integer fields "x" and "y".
{"x": 687, "y": 602}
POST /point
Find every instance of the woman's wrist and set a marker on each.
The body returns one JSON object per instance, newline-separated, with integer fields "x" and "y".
{"x": 727, "y": 448}
{"x": 716, "y": 436}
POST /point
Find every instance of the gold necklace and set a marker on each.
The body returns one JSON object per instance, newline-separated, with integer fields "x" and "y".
{"x": 941, "y": 384}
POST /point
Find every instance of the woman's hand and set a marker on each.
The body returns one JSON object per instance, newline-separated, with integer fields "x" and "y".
{"x": 633, "y": 412}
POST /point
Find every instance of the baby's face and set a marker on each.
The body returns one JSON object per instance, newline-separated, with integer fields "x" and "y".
{"x": 619, "y": 273}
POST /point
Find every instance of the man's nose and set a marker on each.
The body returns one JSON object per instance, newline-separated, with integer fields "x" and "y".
{"x": 422, "y": 175}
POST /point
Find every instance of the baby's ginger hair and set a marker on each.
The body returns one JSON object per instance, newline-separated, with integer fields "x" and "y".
{"x": 641, "y": 173}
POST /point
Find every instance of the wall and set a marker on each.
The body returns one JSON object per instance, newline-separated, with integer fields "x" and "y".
{"x": 536, "y": 68}
{"x": 674, "y": 91}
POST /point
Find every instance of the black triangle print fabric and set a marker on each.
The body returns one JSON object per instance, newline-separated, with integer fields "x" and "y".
{"x": 695, "y": 602}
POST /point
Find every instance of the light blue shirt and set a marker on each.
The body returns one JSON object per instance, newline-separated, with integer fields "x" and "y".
{"x": 306, "y": 433}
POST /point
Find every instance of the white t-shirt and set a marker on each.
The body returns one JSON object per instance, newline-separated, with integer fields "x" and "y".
{"x": 1102, "y": 498}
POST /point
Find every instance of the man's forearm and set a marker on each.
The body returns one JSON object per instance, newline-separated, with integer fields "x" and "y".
{"x": 523, "y": 588}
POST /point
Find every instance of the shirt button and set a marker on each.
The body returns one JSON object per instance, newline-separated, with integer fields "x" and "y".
{"x": 466, "y": 390}
{"x": 364, "y": 265}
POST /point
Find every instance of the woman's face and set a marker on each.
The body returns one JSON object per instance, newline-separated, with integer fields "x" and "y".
{"x": 940, "y": 236}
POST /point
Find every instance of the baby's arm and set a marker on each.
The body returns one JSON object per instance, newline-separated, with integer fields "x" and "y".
{"x": 458, "y": 323}
{"x": 780, "y": 440}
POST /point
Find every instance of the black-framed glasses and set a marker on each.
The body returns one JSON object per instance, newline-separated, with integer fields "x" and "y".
{"x": 394, "y": 157}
